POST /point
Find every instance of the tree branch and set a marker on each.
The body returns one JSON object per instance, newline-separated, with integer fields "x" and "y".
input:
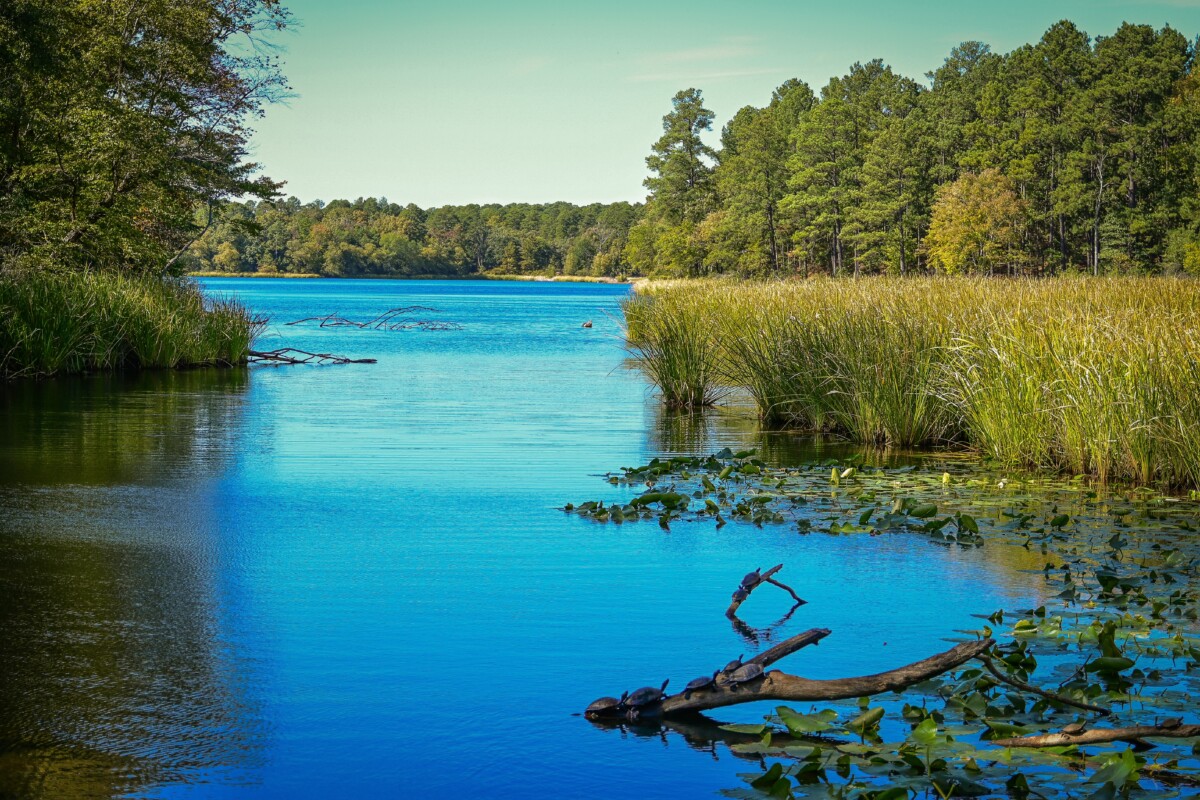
{"x": 1057, "y": 698}
{"x": 781, "y": 686}
{"x": 1132, "y": 735}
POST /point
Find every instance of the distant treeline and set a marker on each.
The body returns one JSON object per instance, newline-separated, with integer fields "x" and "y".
{"x": 1072, "y": 154}
{"x": 375, "y": 237}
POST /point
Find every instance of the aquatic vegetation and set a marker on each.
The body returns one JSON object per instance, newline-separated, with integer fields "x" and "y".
{"x": 1044, "y": 711}
{"x": 62, "y": 322}
{"x": 1098, "y": 377}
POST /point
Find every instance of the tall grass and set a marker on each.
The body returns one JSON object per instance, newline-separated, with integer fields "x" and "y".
{"x": 1096, "y": 376}
{"x": 66, "y": 322}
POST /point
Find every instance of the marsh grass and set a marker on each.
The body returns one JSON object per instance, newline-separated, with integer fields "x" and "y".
{"x": 1086, "y": 376}
{"x": 61, "y": 322}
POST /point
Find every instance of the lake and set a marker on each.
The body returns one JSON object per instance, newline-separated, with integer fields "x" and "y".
{"x": 356, "y": 580}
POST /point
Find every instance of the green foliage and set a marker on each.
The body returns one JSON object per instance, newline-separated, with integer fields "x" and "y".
{"x": 1070, "y": 154}
{"x": 1121, "y": 634}
{"x": 119, "y": 119}
{"x": 64, "y": 322}
{"x": 372, "y": 237}
{"x": 1097, "y": 377}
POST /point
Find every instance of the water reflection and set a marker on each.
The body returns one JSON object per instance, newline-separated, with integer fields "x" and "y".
{"x": 735, "y": 424}
{"x": 109, "y": 430}
{"x": 115, "y": 674}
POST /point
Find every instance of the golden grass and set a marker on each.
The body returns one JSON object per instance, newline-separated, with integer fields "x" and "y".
{"x": 1084, "y": 375}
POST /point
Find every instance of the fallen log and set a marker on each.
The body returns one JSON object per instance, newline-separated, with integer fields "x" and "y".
{"x": 1134, "y": 734}
{"x": 776, "y": 685}
{"x": 739, "y": 684}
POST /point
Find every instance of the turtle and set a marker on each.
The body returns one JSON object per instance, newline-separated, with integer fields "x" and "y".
{"x": 605, "y": 707}
{"x": 740, "y": 594}
{"x": 644, "y": 698}
{"x": 732, "y": 665}
{"x": 752, "y": 579}
{"x": 1074, "y": 729}
{"x": 703, "y": 682}
{"x": 744, "y": 674}
{"x": 1171, "y": 723}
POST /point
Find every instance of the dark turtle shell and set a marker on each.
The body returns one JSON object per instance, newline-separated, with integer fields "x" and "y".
{"x": 605, "y": 706}
{"x": 752, "y": 579}
{"x": 703, "y": 682}
{"x": 732, "y": 665}
{"x": 646, "y": 695}
{"x": 745, "y": 673}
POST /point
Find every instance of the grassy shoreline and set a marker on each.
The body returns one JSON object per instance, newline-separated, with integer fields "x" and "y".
{"x": 1082, "y": 376}
{"x": 55, "y": 323}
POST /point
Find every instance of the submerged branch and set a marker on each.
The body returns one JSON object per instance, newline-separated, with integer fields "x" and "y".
{"x": 394, "y": 319}
{"x": 290, "y": 355}
{"x": 1133, "y": 734}
{"x": 1022, "y": 685}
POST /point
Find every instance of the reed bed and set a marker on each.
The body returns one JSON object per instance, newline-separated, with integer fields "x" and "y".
{"x": 1086, "y": 376}
{"x": 68, "y": 322}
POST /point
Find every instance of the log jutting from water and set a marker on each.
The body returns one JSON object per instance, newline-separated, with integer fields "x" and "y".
{"x": 1133, "y": 734}
{"x": 776, "y": 685}
{"x": 752, "y": 582}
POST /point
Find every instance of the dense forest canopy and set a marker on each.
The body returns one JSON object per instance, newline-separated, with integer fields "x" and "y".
{"x": 1071, "y": 154}
{"x": 119, "y": 119}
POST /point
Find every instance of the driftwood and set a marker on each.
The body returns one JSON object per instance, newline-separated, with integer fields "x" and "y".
{"x": 290, "y": 355}
{"x": 1134, "y": 734}
{"x": 752, "y": 582}
{"x": 776, "y": 685}
{"x": 394, "y": 319}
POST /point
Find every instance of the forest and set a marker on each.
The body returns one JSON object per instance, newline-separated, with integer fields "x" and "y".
{"x": 1074, "y": 154}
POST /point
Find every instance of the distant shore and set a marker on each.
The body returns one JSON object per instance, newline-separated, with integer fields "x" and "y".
{"x": 489, "y": 277}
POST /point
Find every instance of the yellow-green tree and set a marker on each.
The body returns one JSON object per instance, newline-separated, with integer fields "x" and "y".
{"x": 976, "y": 225}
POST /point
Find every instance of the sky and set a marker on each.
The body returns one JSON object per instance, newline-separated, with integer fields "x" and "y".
{"x": 458, "y": 101}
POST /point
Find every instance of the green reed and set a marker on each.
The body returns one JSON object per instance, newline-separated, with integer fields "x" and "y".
{"x": 1087, "y": 376}
{"x": 69, "y": 322}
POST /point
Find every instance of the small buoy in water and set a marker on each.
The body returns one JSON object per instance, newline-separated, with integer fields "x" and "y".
{"x": 587, "y": 324}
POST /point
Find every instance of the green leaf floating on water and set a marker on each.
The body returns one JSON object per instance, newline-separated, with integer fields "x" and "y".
{"x": 1120, "y": 565}
{"x": 925, "y": 734}
{"x": 923, "y": 511}
{"x": 867, "y": 720}
{"x": 804, "y": 724}
{"x": 1110, "y": 664}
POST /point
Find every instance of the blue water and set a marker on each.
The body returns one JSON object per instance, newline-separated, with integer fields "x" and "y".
{"x": 354, "y": 581}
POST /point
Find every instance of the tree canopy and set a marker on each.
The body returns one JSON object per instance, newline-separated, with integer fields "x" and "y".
{"x": 1069, "y": 154}
{"x": 119, "y": 119}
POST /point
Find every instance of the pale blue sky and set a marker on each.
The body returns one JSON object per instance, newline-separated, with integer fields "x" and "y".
{"x": 453, "y": 101}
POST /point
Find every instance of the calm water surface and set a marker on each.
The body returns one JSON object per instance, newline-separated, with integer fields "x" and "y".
{"x": 353, "y": 581}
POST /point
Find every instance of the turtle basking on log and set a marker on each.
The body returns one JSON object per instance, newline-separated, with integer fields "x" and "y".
{"x": 606, "y": 707}
{"x": 744, "y": 674}
{"x": 743, "y": 682}
{"x": 701, "y": 683}
{"x": 643, "y": 700}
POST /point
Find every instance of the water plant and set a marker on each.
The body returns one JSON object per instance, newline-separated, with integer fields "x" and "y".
{"x": 67, "y": 322}
{"x": 1111, "y": 661}
{"x": 1080, "y": 376}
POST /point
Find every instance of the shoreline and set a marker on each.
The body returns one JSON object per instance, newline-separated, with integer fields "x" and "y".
{"x": 492, "y": 277}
